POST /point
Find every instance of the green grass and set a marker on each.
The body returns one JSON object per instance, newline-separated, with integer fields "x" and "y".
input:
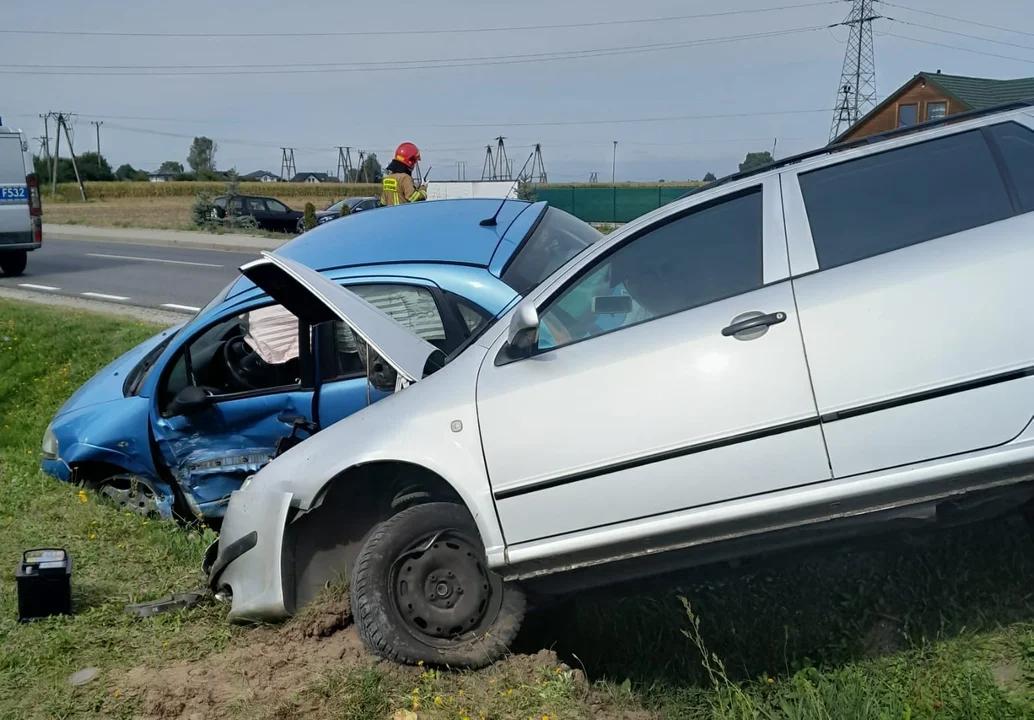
{"x": 891, "y": 631}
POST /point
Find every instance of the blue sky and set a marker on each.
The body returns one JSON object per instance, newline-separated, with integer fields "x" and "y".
{"x": 453, "y": 112}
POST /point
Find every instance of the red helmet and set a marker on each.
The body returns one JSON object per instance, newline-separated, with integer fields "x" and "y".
{"x": 408, "y": 154}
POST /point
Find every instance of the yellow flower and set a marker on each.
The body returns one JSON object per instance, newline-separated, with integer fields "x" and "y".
{"x": 93, "y": 522}
{"x": 460, "y": 693}
{"x": 438, "y": 700}
{"x": 119, "y": 545}
{"x": 510, "y": 691}
{"x": 420, "y": 663}
{"x": 144, "y": 522}
{"x": 118, "y": 694}
{"x": 165, "y": 644}
{"x": 92, "y": 536}
{"x": 771, "y": 681}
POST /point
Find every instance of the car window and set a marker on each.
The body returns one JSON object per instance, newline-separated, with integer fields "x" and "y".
{"x": 256, "y": 205}
{"x": 1017, "y": 145}
{"x": 710, "y": 254}
{"x": 885, "y": 202}
{"x": 276, "y": 206}
{"x": 220, "y": 202}
{"x": 244, "y": 353}
{"x": 557, "y": 239}
{"x": 473, "y": 316}
{"x": 412, "y": 307}
{"x": 236, "y": 204}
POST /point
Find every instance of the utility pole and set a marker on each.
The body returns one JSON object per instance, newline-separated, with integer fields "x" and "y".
{"x": 97, "y": 124}
{"x": 594, "y": 177}
{"x": 287, "y": 166}
{"x": 461, "y": 169}
{"x": 856, "y": 93}
{"x": 62, "y": 124}
{"x": 488, "y": 169}
{"x": 614, "y": 166}
{"x": 344, "y": 164}
{"x": 537, "y": 173}
{"x": 46, "y": 134}
{"x": 503, "y": 168}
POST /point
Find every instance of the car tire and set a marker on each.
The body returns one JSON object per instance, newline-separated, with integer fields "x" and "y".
{"x": 422, "y": 591}
{"x": 13, "y": 263}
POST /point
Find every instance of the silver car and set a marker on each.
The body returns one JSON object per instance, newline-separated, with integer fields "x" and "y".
{"x": 827, "y": 346}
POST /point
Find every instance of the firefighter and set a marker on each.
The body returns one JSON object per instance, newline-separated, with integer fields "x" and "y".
{"x": 397, "y": 186}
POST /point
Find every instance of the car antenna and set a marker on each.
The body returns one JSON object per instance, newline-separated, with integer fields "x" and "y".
{"x": 490, "y": 222}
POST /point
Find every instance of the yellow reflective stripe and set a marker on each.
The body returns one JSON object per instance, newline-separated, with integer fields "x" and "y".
{"x": 391, "y": 185}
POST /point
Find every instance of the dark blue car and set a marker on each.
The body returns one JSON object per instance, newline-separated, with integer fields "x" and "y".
{"x": 178, "y": 423}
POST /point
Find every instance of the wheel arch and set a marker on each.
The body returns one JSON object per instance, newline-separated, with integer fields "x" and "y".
{"x": 322, "y": 543}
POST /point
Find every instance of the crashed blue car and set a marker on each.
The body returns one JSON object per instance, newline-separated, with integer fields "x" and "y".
{"x": 175, "y": 425}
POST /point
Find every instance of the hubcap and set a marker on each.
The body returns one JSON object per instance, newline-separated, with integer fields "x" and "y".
{"x": 443, "y": 590}
{"x": 136, "y": 497}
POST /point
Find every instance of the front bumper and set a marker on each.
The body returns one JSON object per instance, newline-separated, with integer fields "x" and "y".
{"x": 248, "y": 559}
{"x": 57, "y": 468}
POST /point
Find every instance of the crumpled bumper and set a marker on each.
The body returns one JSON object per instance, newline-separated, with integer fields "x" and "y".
{"x": 248, "y": 558}
{"x": 57, "y": 468}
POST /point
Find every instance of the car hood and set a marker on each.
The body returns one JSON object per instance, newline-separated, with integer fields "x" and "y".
{"x": 107, "y": 384}
{"x": 314, "y": 299}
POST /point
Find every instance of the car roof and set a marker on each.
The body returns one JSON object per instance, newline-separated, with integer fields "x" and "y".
{"x": 445, "y": 231}
{"x": 835, "y": 147}
{"x": 437, "y": 231}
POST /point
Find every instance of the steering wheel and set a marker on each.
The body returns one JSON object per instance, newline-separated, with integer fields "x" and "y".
{"x": 236, "y": 353}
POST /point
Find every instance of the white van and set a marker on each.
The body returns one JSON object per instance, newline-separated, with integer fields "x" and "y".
{"x": 21, "y": 214}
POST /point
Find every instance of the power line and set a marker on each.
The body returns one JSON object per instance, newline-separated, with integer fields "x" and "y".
{"x": 956, "y": 47}
{"x": 962, "y": 34}
{"x": 381, "y": 66}
{"x": 439, "y": 31}
{"x": 955, "y": 19}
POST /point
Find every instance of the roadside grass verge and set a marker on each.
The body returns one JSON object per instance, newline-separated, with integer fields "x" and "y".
{"x": 894, "y": 630}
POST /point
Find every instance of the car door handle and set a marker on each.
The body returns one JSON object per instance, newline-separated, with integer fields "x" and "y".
{"x": 753, "y": 322}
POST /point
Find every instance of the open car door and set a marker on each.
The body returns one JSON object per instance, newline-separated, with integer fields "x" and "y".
{"x": 211, "y": 442}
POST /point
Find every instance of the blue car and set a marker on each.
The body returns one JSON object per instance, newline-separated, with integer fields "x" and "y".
{"x": 176, "y": 424}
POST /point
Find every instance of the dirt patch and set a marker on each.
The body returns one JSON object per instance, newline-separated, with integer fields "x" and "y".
{"x": 260, "y": 670}
{"x": 272, "y": 672}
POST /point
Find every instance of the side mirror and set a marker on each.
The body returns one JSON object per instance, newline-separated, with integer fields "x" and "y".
{"x": 190, "y": 401}
{"x": 523, "y": 335}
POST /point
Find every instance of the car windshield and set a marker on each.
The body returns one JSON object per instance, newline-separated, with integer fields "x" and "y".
{"x": 336, "y": 207}
{"x": 557, "y": 239}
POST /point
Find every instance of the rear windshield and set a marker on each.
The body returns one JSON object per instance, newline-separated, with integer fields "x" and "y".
{"x": 557, "y": 239}
{"x": 12, "y": 167}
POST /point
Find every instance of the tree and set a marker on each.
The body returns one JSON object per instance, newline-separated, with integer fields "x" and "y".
{"x": 756, "y": 160}
{"x": 201, "y": 157}
{"x": 92, "y": 167}
{"x": 171, "y": 166}
{"x": 127, "y": 173}
{"x": 369, "y": 171}
{"x": 709, "y": 177}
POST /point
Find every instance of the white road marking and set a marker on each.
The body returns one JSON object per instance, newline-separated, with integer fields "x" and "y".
{"x": 157, "y": 260}
{"x": 174, "y": 306}
{"x": 102, "y": 296}
{"x": 30, "y": 286}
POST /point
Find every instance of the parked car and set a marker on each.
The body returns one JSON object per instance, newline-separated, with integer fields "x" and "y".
{"x": 828, "y": 346}
{"x": 268, "y": 213}
{"x": 355, "y": 204}
{"x": 21, "y": 214}
{"x": 181, "y": 420}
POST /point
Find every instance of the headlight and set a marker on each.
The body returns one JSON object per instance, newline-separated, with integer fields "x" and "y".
{"x": 247, "y": 481}
{"x": 50, "y": 445}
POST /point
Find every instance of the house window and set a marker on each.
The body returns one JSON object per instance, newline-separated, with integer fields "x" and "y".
{"x": 908, "y": 115}
{"x": 936, "y": 110}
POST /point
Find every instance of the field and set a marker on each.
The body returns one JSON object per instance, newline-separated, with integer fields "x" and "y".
{"x": 938, "y": 628}
{"x": 108, "y": 208}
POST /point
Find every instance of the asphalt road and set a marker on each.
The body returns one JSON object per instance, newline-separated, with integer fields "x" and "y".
{"x": 176, "y": 279}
